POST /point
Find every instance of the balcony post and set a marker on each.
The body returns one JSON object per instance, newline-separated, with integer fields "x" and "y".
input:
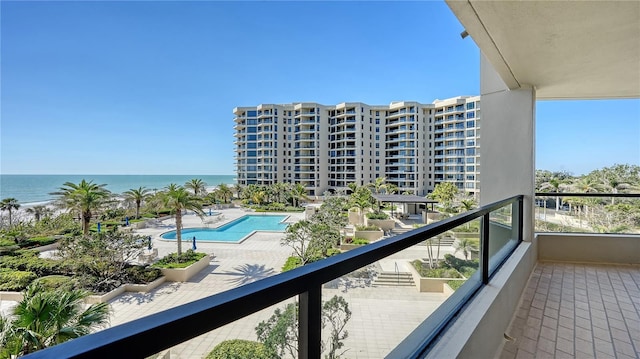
{"x": 310, "y": 323}
{"x": 520, "y": 219}
{"x": 484, "y": 251}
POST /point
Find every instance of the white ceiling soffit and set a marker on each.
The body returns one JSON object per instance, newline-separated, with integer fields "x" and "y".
{"x": 565, "y": 49}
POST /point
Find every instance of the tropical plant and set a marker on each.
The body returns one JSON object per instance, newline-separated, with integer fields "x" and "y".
{"x": 138, "y": 196}
{"x": 466, "y": 245}
{"x": 225, "y": 192}
{"x": 379, "y": 185}
{"x": 101, "y": 258}
{"x": 308, "y": 240}
{"x": 39, "y": 212}
{"x": 178, "y": 199}
{"x": 197, "y": 186}
{"x": 444, "y": 193}
{"x": 361, "y": 199}
{"x": 45, "y": 318}
{"x": 238, "y": 189}
{"x": 556, "y": 185}
{"x": 297, "y": 193}
{"x": 84, "y": 197}
{"x": 9, "y": 204}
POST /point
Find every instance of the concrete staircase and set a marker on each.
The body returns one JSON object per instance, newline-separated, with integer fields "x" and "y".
{"x": 393, "y": 279}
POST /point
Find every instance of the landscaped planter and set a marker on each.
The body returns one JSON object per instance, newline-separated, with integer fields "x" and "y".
{"x": 348, "y": 246}
{"x": 431, "y": 285}
{"x": 371, "y": 236}
{"x": 93, "y": 299}
{"x": 184, "y": 274}
{"x": 384, "y": 224}
{"x": 139, "y": 288}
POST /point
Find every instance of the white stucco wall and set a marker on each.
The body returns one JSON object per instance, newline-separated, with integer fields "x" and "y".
{"x": 508, "y": 143}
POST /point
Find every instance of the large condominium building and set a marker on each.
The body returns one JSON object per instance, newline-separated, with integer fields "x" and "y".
{"x": 413, "y": 145}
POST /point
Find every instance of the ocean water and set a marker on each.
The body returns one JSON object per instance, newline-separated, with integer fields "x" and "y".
{"x": 32, "y": 189}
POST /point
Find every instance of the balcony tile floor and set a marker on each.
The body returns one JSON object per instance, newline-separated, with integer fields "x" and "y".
{"x": 577, "y": 311}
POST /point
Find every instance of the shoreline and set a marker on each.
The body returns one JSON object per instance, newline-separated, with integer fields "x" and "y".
{"x": 34, "y": 190}
{"x": 50, "y": 204}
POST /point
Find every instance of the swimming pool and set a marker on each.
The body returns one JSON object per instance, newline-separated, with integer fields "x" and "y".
{"x": 235, "y": 231}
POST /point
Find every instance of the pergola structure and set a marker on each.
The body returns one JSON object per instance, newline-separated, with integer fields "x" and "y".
{"x": 404, "y": 199}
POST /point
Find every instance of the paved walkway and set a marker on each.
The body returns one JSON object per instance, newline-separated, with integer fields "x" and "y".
{"x": 381, "y": 318}
{"x": 578, "y": 311}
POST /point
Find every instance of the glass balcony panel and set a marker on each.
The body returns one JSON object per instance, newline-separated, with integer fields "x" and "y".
{"x": 383, "y": 303}
{"x": 503, "y": 235}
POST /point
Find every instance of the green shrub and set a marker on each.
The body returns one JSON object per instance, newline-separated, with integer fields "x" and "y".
{"x": 12, "y": 280}
{"x": 333, "y": 251}
{"x": 172, "y": 260}
{"x": 239, "y": 349}
{"x": 377, "y": 215}
{"x": 142, "y": 275}
{"x": 435, "y": 273}
{"x": 461, "y": 265}
{"x": 40, "y": 241}
{"x": 367, "y": 228}
{"x": 291, "y": 263}
{"x": 6, "y": 242}
{"x": 56, "y": 281}
{"x": 455, "y": 284}
{"x": 360, "y": 241}
{"x": 28, "y": 260}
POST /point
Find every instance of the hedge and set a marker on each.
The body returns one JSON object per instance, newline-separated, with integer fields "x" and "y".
{"x": 11, "y": 280}
{"x": 239, "y": 349}
{"x": 172, "y": 260}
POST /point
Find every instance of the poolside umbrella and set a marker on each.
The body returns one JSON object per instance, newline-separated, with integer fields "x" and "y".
{"x": 194, "y": 243}
{"x": 98, "y": 227}
{"x": 126, "y": 221}
{"x": 209, "y": 211}
{"x": 149, "y": 245}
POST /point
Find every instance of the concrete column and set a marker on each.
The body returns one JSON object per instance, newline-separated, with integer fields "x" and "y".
{"x": 507, "y": 142}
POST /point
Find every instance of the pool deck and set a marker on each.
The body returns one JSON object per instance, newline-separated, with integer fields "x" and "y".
{"x": 382, "y": 316}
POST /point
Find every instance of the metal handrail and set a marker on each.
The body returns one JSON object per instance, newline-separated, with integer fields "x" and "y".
{"x": 151, "y": 334}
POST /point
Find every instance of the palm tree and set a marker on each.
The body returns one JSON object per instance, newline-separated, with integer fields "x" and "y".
{"x": 238, "y": 189}
{"x": 197, "y": 186}
{"x": 9, "y": 204}
{"x": 613, "y": 180}
{"x": 379, "y": 185}
{"x": 137, "y": 195}
{"x": 179, "y": 199}
{"x": 556, "y": 185}
{"x": 298, "y": 192}
{"x": 48, "y": 317}
{"x": 83, "y": 197}
{"x": 586, "y": 184}
{"x": 465, "y": 245}
{"x": 225, "y": 192}
{"x": 38, "y": 212}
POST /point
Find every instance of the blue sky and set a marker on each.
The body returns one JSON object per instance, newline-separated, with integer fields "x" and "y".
{"x": 149, "y": 87}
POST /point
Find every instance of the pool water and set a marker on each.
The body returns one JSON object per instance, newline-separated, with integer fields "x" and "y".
{"x": 234, "y": 231}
